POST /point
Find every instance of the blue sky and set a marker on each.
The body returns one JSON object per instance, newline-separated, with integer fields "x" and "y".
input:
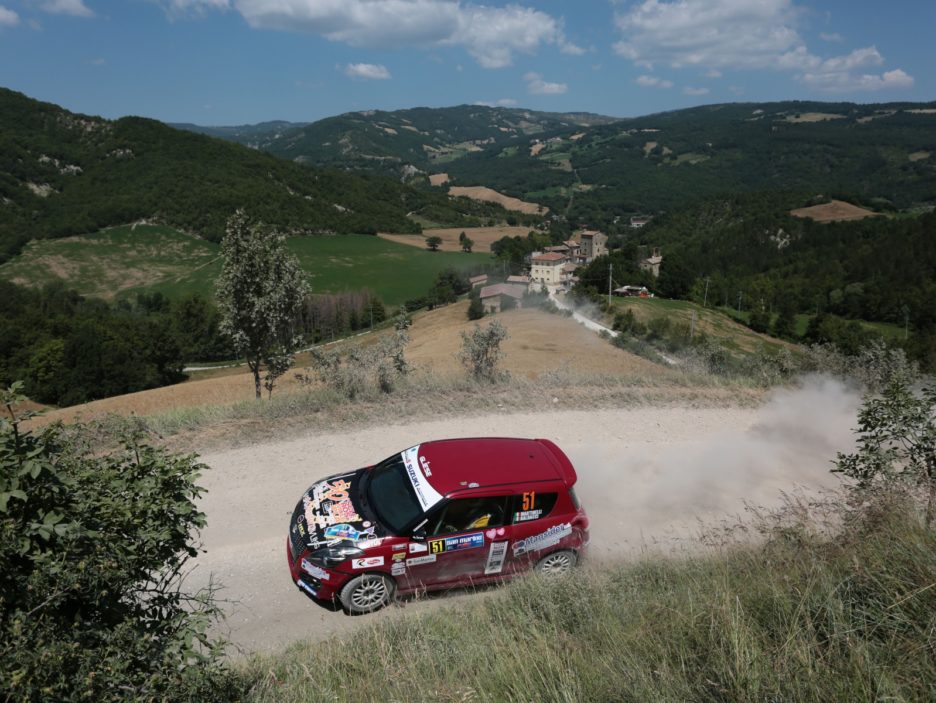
{"x": 243, "y": 61}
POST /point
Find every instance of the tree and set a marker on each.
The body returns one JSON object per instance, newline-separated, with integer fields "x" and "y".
{"x": 434, "y": 242}
{"x": 480, "y": 352}
{"x": 466, "y": 244}
{"x": 260, "y": 293}
{"x": 475, "y": 307}
{"x": 896, "y": 441}
{"x": 785, "y": 324}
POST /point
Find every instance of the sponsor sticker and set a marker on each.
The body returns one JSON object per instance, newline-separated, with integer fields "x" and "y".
{"x": 348, "y": 532}
{"x": 454, "y": 544}
{"x": 416, "y": 548}
{"x": 398, "y": 568}
{"x": 329, "y": 503}
{"x": 543, "y": 540}
{"x": 526, "y": 515}
{"x": 425, "y": 493}
{"x": 496, "y": 556}
{"x": 416, "y": 561}
{"x": 399, "y": 545}
{"x": 313, "y": 571}
{"x": 369, "y": 543}
{"x": 399, "y": 556}
{"x": 367, "y": 562}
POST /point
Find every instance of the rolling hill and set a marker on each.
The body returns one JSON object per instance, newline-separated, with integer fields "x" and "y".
{"x": 63, "y": 174}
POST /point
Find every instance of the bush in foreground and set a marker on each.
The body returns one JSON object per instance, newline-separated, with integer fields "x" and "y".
{"x": 91, "y": 551}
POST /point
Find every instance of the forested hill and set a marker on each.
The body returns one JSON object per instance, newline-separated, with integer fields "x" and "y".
{"x": 63, "y": 173}
{"x": 422, "y": 138}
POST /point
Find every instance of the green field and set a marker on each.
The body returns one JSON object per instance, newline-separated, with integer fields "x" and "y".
{"x": 712, "y": 322}
{"x": 123, "y": 261}
{"x": 887, "y": 330}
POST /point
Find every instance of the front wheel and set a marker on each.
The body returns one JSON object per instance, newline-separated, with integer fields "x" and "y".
{"x": 557, "y": 563}
{"x": 366, "y": 593}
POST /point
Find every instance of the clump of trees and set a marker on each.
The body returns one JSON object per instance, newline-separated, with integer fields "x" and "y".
{"x": 260, "y": 293}
{"x": 92, "y": 550}
{"x": 68, "y": 349}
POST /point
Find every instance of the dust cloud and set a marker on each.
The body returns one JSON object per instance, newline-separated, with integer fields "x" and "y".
{"x": 658, "y": 495}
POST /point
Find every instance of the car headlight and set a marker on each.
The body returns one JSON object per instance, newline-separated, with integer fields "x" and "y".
{"x": 332, "y": 556}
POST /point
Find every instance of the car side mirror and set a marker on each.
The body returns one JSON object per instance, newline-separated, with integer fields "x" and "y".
{"x": 418, "y": 535}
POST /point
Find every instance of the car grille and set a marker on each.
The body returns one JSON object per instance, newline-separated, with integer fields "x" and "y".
{"x": 297, "y": 542}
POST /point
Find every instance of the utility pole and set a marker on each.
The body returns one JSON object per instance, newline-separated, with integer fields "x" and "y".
{"x": 705, "y": 297}
{"x": 610, "y": 267}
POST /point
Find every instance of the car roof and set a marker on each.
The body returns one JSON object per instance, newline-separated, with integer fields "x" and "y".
{"x": 485, "y": 462}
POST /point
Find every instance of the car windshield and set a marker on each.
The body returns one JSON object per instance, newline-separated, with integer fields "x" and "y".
{"x": 390, "y": 495}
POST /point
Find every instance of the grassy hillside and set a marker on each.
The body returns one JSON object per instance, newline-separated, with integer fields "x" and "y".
{"x": 62, "y": 174}
{"x": 122, "y": 261}
{"x": 385, "y": 142}
{"x": 802, "y": 617}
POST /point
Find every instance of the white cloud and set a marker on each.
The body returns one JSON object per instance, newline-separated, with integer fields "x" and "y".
{"x": 492, "y": 35}
{"x": 689, "y": 90}
{"x": 537, "y": 86}
{"x": 8, "y": 18}
{"x": 833, "y": 37}
{"x": 97, "y": 62}
{"x": 845, "y": 82}
{"x": 366, "y": 71}
{"x": 653, "y": 82}
{"x": 742, "y": 35}
{"x": 76, "y": 8}
{"x": 503, "y": 102}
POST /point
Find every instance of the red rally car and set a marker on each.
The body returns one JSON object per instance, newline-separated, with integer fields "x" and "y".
{"x": 441, "y": 514}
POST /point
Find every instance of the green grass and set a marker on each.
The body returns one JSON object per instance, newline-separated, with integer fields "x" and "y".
{"x": 121, "y": 262}
{"x": 888, "y": 330}
{"x": 801, "y": 617}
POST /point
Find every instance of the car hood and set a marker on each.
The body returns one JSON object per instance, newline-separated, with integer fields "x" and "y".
{"x": 331, "y": 513}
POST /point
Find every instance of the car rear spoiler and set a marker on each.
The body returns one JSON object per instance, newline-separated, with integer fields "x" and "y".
{"x": 562, "y": 463}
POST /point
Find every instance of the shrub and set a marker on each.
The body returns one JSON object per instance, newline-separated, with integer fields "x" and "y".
{"x": 480, "y": 352}
{"x": 91, "y": 551}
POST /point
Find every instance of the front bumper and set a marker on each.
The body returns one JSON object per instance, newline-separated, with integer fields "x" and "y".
{"x": 313, "y": 580}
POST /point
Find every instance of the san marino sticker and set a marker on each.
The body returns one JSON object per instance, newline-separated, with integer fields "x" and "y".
{"x": 543, "y": 540}
{"x": 454, "y": 544}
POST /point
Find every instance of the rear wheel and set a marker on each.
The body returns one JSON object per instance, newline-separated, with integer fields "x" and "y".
{"x": 366, "y": 593}
{"x": 561, "y": 562}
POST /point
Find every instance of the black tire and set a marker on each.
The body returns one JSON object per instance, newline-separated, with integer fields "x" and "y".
{"x": 367, "y": 593}
{"x": 557, "y": 563}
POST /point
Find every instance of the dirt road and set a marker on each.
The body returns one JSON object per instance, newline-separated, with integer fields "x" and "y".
{"x": 646, "y": 476}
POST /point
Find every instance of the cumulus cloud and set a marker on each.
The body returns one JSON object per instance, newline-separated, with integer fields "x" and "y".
{"x": 76, "y": 8}
{"x": 537, "y": 86}
{"x": 845, "y": 82}
{"x": 366, "y": 71}
{"x": 717, "y": 35}
{"x": 833, "y": 37}
{"x": 689, "y": 90}
{"x": 653, "y": 82}
{"x": 492, "y": 35}
{"x": 8, "y": 18}
{"x": 503, "y": 102}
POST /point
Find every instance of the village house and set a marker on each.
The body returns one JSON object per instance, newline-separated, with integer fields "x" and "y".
{"x": 547, "y": 268}
{"x": 652, "y": 263}
{"x": 492, "y": 297}
{"x": 592, "y": 245}
{"x": 480, "y": 280}
{"x": 638, "y": 222}
{"x": 520, "y": 280}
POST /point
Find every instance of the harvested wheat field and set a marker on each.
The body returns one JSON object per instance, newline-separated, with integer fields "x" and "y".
{"x": 539, "y": 343}
{"x": 438, "y": 179}
{"x": 835, "y": 211}
{"x": 813, "y": 117}
{"x": 482, "y": 237}
{"x": 492, "y": 196}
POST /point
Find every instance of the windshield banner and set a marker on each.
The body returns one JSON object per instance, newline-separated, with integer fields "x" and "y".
{"x": 425, "y": 493}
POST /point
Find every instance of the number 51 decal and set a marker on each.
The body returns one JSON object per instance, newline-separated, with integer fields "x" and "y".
{"x": 529, "y": 499}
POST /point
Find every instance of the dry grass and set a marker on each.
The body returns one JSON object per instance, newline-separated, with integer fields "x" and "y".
{"x": 539, "y": 344}
{"x": 492, "y": 196}
{"x": 537, "y": 148}
{"x": 482, "y": 237}
{"x": 835, "y": 211}
{"x": 438, "y": 179}
{"x": 918, "y": 155}
{"x": 813, "y": 117}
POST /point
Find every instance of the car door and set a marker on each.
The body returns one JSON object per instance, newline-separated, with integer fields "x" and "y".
{"x": 534, "y": 527}
{"x": 459, "y": 542}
